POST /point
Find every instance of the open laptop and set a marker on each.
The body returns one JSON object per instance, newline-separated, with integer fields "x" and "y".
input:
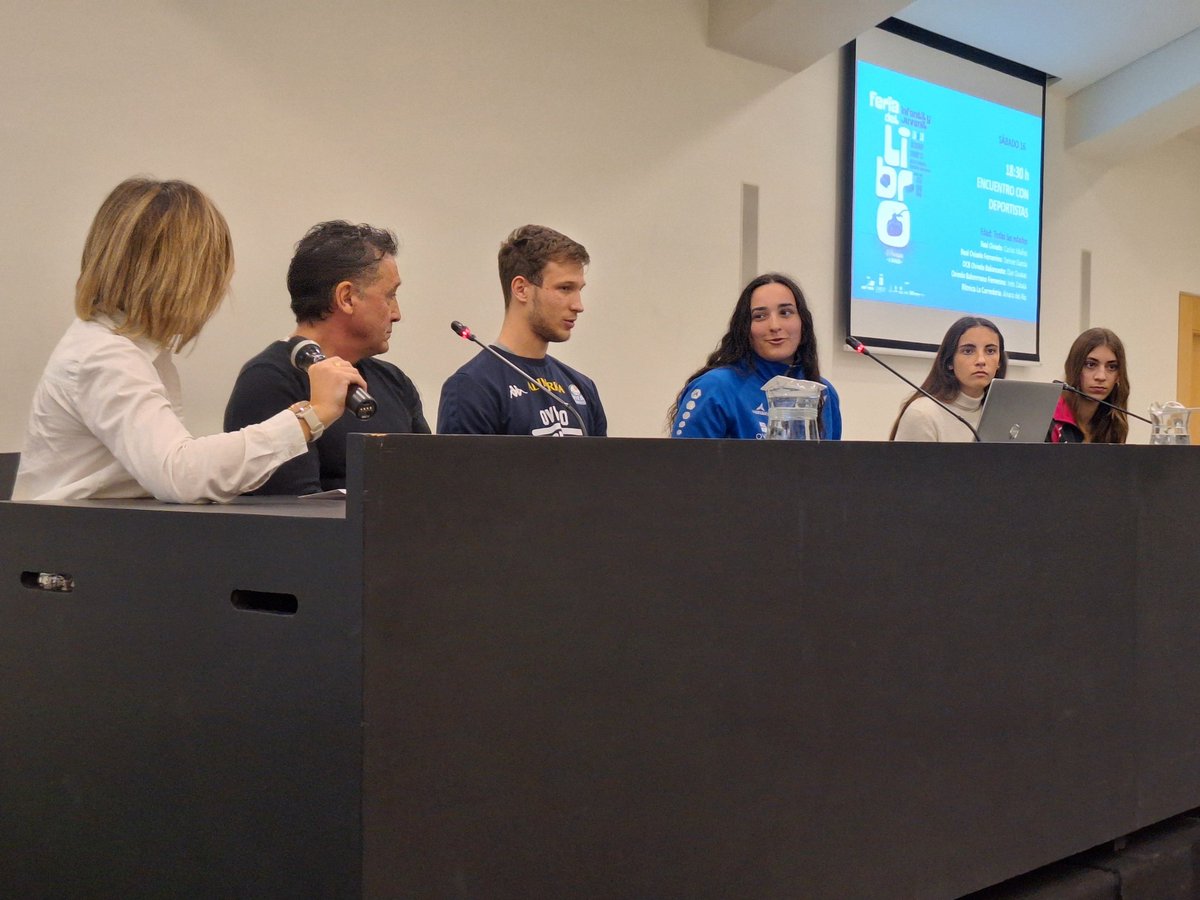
{"x": 1018, "y": 411}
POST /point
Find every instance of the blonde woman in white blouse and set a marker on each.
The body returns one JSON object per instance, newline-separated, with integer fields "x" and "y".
{"x": 106, "y": 416}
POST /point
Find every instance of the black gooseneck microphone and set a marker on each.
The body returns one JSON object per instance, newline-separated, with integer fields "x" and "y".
{"x": 859, "y": 347}
{"x": 358, "y": 401}
{"x": 1084, "y": 394}
{"x": 468, "y": 335}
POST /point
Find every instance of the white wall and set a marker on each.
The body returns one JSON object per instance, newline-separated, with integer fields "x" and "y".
{"x": 453, "y": 122}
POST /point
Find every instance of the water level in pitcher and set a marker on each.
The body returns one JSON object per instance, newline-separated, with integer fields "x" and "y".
{"x": 1171, "y": 438}
{"x": 798, "y": 428}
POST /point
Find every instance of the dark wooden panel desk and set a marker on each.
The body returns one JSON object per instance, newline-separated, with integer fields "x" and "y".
{"x": 626, "y": 668}
{"x": 155, "y": 740}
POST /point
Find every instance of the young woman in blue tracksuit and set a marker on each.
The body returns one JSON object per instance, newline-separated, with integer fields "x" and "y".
{"x": 770, "y": 333}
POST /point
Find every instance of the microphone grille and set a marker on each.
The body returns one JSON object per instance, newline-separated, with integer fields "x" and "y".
{"x": 305, "y": 353}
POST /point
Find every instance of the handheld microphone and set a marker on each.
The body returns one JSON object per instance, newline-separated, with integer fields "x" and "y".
{"x": 859, "y": 347}
{"x": 1084, "y": 394}
{"x": 358, "y": 401}
{"x": 467, "y": 335}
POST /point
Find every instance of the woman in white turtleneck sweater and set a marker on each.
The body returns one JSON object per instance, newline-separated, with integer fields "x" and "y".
{"x": 970, "y": 356}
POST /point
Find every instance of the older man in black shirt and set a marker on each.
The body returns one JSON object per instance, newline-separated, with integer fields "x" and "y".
{"x": 343, "y": 281}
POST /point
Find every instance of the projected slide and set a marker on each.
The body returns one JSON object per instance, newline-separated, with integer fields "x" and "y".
{"x": 942, "y": 192}
{"x": 946, "y": 198}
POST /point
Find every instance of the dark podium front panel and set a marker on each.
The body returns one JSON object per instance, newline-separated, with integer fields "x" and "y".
{"x": 155, "y": 739}
{"x": 605, "y": 668}
{"x": 717, "y": 669}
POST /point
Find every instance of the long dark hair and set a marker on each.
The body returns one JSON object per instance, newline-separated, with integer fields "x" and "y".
{"x": 941, "y": 380}
{"x": 735, "y": 348}
{"x": 1107, "y": 426}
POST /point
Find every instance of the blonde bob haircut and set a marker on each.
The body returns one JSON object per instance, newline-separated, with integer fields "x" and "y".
{"x": 158, "y": 259}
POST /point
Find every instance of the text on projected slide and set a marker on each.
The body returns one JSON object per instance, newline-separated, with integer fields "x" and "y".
{"x": 947, "y": 198}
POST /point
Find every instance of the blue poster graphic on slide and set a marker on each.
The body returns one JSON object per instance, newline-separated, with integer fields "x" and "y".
{"x": 947, "y": 198}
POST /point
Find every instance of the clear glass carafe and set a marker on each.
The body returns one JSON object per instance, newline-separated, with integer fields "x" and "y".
{"x": 1169, "y": 423}
{"x": 793, "y": 406}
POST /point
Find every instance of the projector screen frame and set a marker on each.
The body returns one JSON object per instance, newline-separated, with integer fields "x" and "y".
{"x": 846, "y": 164}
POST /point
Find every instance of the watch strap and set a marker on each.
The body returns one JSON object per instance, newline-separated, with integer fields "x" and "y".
{"x": 309, "y": 415}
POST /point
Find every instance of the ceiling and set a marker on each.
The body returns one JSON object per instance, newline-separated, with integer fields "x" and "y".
{"x": 1078, "y": 41}
{"x": 1130, "y": 71}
